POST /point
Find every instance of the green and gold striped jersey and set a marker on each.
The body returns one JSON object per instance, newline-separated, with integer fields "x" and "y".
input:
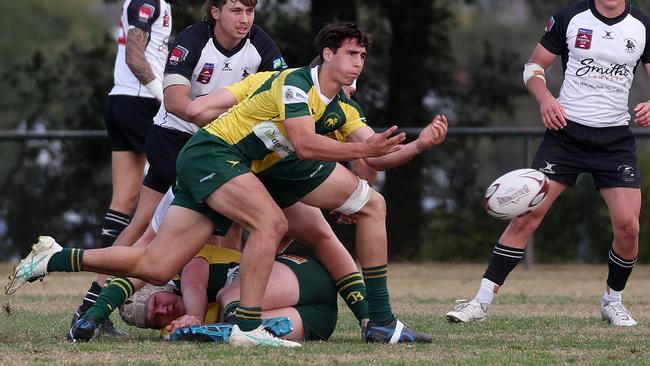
{"x": 254, "y": 125}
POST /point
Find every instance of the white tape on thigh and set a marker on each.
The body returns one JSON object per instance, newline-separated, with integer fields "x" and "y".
{"x": 357, "y": 200}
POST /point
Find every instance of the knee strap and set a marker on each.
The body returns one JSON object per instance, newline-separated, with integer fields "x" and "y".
{"x": 357, "y": 199}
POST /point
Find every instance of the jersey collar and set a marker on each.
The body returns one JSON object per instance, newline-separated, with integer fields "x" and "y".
{"x": 604, "y": 19}
{"x": 314, "y": 78}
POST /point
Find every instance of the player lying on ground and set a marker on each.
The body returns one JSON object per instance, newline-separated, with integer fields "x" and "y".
{"x": 299, "y": 288}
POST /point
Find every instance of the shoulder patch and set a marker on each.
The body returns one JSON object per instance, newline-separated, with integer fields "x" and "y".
{"x": 178, "y": 54}
{"x": 279, "y": 64}
{"x": 549, "y": 24}
{"x": 293, "y": 95}
{"x": 145, "y": 12}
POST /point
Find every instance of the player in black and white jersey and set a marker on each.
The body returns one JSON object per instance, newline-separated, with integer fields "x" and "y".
{"x": 219, "y": 51}
{"x": 600, "y": 42}
{"x": 144, "y": 29}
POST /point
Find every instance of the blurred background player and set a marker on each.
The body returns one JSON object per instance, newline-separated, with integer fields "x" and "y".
{"x": 144, "y": 30}
{"x": 587, "y": 130}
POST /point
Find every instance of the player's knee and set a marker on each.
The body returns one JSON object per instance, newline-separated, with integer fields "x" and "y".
{"x": 273, "y": 227}
{"x": 525, "y": 224}
{"x": 627, "y": 230}
{"x": 376, "y": 205}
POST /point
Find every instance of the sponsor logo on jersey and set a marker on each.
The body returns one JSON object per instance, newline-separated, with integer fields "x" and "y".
{"x": 245, "y": 71}
{"x": 630, "y": 45}
{"x": 608, "y": 35}
{"x": 293, "y": 258}
{"x": 293, "y": 95}
{"x": 549, "y": 24}
{"x": 269, "y": 133}
{"x": 226, "y": 66}
{"x": 206, "y": 73}
{"x": 145, "y": 12}
{"x": 178, "y": 54}
{"x": 279, "y": 64}
{"x": 615, "y": 70}
{"x": 583, "y": 39}
{"x": 166, "y": 19}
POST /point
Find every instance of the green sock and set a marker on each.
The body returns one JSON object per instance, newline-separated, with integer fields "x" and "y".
{"x": 67, "y": 260}
{"x": 376, "y": 279}
{"x": 248, "y": 318}
{"x": 353, "y": 291}
{"x": 229, "y": 312}
{"x": 110, "y": 298}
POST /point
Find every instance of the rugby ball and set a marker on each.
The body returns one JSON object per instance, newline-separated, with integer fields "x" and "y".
{"x": 516, "y": 194}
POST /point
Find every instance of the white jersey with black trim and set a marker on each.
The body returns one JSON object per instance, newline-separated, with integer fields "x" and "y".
{"x": 198, "y": 61}
{"x": 599, "y": 57}
{"x": 155, "y": 18}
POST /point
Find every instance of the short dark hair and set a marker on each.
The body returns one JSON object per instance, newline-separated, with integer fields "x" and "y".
{"x": 219, "y": 4}
{"x": 332, "y": 36}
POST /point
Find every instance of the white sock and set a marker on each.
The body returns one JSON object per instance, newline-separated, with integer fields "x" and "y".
{"x": 612, "y": 296}
{"x": 486, "y": 292}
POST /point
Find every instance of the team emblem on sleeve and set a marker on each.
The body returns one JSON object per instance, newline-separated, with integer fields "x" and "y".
{"x": 178, "y": 54}
{"x": 145, "y": 12}
{"x": 549, "y": 24}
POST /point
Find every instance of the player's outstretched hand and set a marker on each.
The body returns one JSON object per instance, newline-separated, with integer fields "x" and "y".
{"x": 642, "y": 111}
{"x": 383, "y": 143}
{"x": 182, "y": 322}
{"x": 434, "y": 133}
{"x": 553, "y": 116}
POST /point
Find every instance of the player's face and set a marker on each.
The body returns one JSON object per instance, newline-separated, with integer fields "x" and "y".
{"x": 234, "y": 19}
{"x": 163, "y": 307}
{"x": 612, "y": 4}
{"x": 348, "y": 61}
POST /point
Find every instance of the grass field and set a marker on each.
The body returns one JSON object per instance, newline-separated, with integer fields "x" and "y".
{"x": 548, "y": 315}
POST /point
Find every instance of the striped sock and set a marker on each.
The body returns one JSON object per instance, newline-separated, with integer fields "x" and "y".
{"x": 67, "y": 260}
{"x": 376, "y": 279}
{"x": 90, "y": 298}
{"x": 229, "y": 312}
{"x": 619, "y": 270}
{"x": 353, "y": 291}
{"x": 114, "y": 223}
{"x": 248, "y": 318}
{"x": 110, "y": 298}
{"x": 504, "y": 259}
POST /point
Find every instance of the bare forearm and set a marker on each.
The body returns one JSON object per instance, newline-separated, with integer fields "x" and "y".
{"x": 136, "y": 43}
{"x": 206, "y": 108}
{"x": 318, "y": 147}
{"x": 195, "y": 300}
{"x": 177, "y": 103}
{"x": 397, "y": 158}
{"x": 537, "y": 88}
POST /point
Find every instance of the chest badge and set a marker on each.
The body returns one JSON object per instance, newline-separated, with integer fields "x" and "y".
{"x": 630, "y": 45}
{"x": 583, "y": 39}
{"x": 332, "y": 120}
{"x": 206, "y": 73}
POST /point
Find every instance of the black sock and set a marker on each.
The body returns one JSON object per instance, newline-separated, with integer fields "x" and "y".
{"x": 619, "y": 270}
{"x": 90, "y": 298}
{"x": 114, "y": 223}
{"x": 503, "y": 260}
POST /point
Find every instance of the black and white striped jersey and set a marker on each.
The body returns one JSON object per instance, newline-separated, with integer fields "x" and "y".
{"x": 155, "y": 18}
{"x": 599, "y": 57}
{"x": 198, "y": 60}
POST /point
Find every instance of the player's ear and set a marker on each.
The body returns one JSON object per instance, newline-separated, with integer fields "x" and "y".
{"x": 216, "y": 14}
{"x": 327, "y": 54}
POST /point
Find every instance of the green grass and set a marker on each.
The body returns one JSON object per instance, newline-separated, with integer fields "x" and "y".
{"x": 549, "y": 315}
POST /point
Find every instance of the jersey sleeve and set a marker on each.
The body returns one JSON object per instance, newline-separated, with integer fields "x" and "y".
{"x": 643, "y": 18}
{"x": 249, "y": 85}
{"x": 269, "y": 52}
{"x": 143, "y": 13}
{"x": 295, "y": 95}
{"x": 186, "y": 51}
{"x": 354, "y": 118}
{"x": 554, "y": 38}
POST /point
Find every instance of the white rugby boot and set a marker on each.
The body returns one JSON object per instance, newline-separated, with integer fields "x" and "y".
{"x": 615, "y": 313}
{"x": 258, "y": 337}
{"x": 34, "y": 266}
{"x": 467, "y": 312}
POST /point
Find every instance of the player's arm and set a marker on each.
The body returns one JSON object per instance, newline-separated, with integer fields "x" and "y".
{"x": 311, "y": 146}
{"x": 136, "y": 42}
{"x": 361, "y": 169}
{"x": 642, "y": 110}
{"x": 194, "y": 282}
{"x": 433, "y": 134}
{"x": 206, "y": 108}
{"x": 552, "y": 113}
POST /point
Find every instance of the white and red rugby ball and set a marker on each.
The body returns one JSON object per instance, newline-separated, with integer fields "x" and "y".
{"x": 516, "y": 194}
